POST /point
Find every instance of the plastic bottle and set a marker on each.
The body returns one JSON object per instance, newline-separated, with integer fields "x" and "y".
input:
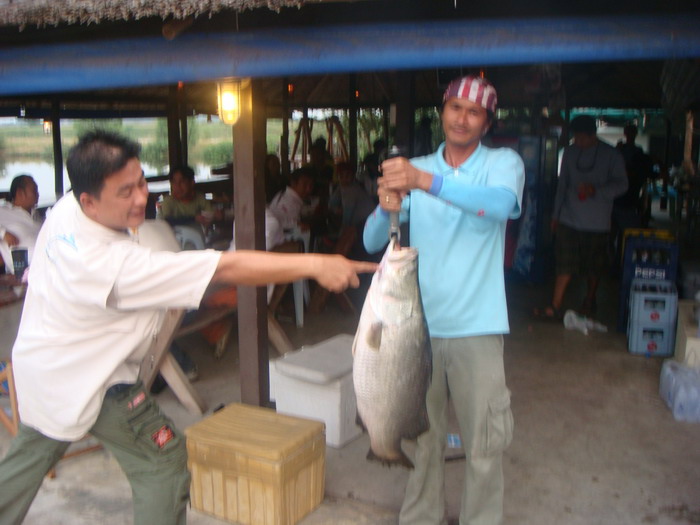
{"x": 679, "y": 387}
{"x": 574, "y": 321}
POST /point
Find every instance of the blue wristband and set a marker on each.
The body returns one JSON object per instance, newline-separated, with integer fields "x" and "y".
{"x": 436, "y": 186}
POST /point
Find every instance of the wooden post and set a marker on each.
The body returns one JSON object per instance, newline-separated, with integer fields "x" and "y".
{"x": 688, "y": 146}
{"x": 57, "y": 149}
{"x": 249, "y": 206}
{"x": 182, "y": 117}
{"x": 352, "y": 121}
{"x": 174, "y": 145}
{"x": 284, "y": 143}
{"x": 405, "y": 107}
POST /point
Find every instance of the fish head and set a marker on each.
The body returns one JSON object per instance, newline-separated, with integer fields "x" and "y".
{"x": 395, "y": 286}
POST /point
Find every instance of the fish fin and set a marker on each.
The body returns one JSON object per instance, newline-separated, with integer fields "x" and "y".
{"x": 422, "y": 425}
{"x": 374, "y": 336}
{"x": 402, "y": 460}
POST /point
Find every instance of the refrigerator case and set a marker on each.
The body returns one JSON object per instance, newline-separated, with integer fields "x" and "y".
{"x": 532, "y": 258}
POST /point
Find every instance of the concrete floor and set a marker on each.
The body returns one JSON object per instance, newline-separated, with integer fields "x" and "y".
{"x": 594, "y": 444}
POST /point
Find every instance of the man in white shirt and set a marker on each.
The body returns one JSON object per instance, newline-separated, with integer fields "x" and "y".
{"x": 17, "y": 224}
{"x": 95, "y": 301}
{"x": 287, "y": 204}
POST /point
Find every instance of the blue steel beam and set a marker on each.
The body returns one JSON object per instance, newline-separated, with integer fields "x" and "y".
{"x": 194, "y": 57}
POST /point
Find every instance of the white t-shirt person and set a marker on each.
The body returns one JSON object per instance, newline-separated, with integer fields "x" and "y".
{"x": 95, "y": 301}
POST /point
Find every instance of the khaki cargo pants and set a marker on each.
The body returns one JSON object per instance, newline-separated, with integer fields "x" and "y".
{"x": 144, "y": 442}
{"x": 470, "y": 372}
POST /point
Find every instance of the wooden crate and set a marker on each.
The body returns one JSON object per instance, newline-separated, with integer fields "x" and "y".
{"x": 687, "y": 337}
{"x": 253, "y": 466}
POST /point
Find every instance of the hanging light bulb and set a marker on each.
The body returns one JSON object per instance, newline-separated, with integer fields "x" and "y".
{"x": 229, "y": 100}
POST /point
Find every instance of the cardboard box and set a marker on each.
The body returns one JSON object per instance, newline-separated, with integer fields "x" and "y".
{"x": 316, "y": 382}
{"x": 687, "y": 349}
{"x": 253, "y": 466}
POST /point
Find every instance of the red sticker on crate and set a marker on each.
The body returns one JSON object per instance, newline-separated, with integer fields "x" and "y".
{"x": 652, "y": 346}
{"x": 654, "y": 316}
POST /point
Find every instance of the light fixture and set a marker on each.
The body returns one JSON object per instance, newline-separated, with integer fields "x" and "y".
{"x": 229, "y": 99}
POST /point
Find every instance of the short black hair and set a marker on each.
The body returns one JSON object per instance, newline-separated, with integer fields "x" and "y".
{"x": 186, "y": 172}
{"x": 97, "y": 155}
{"x": 299, "y": 173}
{"x": 19, "y": 183}
{"x": 583, "y": 124}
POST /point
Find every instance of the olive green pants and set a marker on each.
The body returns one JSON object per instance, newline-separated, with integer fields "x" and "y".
{"x": 144, "y": 442}
{"x": 469, "y": 371}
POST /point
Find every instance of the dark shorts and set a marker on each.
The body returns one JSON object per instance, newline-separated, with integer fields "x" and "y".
{"x": 583, "y": 253}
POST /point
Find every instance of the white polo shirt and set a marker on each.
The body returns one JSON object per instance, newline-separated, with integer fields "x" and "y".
{"x": 95, "y": 301}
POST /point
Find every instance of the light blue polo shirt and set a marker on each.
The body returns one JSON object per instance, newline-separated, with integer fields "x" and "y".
{"x": 460, "y": 243}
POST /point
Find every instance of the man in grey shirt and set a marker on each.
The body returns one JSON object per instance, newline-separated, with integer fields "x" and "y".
{"x": 592, "y": 175}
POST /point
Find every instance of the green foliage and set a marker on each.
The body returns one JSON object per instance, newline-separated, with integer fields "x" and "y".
{"x": 154, "y": 151}
{"x": 218, "y": 154}
{"x": 84, "y": 126}
{"x": 370, "y": 127}
{"x": 155, "y": 155}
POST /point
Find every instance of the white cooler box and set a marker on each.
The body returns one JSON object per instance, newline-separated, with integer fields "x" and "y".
{"x": 315, "y": 382}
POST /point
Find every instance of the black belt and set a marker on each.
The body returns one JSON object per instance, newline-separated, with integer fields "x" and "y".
{"x": 117, "y": 389}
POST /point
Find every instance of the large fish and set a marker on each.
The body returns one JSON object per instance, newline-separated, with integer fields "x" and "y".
{"x": 392, "y": 358}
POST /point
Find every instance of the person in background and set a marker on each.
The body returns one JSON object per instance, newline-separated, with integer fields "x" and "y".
{"x": 94, "y": 303}
{"x": 18, "y": 226}
{"x": 457, "y": 202}
{"x": 349, "y": 207}
{"x": 288, "y": 204}
{"x": 321, "y": 162}
{"x": 629, "y": 209}
{"x": 592, "y": 174}
{"x": 184, "y": 205}
{"x": 370, "y": 167}
{"x": 274, "y": 181}
{"x": 322, "y": 168}
{"x": 423, "y": 141}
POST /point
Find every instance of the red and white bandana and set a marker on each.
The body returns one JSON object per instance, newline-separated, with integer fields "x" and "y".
{"x": 476, "y": 89}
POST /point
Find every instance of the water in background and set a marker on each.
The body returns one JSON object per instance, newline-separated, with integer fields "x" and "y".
{"x": 43, "y": 174}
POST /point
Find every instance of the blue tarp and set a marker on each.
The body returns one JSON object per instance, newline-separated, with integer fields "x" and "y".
{"x": 343, "y": 49}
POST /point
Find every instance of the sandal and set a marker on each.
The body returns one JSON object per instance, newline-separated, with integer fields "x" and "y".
{"x": 548, "y": 313}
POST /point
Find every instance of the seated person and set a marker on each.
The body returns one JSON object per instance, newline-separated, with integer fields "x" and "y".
{"x": 288, "y": 204}
{"x": 350, "y": 205}
{"x": 184, "y": 205}
{"x": 18, "y": 227}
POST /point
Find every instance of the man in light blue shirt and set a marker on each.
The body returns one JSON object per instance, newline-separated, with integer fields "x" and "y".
{"x": 457, "y": 202}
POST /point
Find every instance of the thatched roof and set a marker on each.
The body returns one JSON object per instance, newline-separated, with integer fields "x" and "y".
{"x": 43, "y": 13}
